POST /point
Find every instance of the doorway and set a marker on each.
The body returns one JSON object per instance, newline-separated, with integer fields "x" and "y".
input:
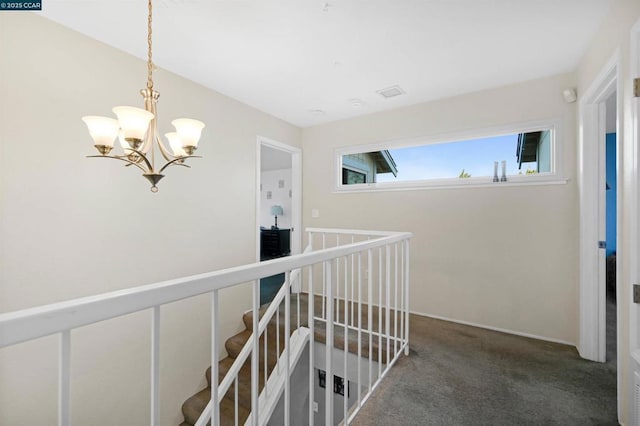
{"x": 278, "y": 207}
{"x": 599, "y": 173}
{"x": 611, "y": 218}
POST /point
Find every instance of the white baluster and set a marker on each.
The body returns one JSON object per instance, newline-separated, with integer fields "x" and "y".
{"x": 278, "y": 338}
{"x": 379, "y": 313}
{"x": 345, "y": 380}
{"x": 64, "y": 379}
{"x": 337, "y": 281}
{"x": 395, "y": 300}
{"x": 155, "y": 366}
{"x": 287, "y": 349}
{"x": 329, "y": 344}
{"x": 215, "y": 414}
{"x": 402, "y": 301}
{"x": 406, "y": 289}
{"x": 359, "y": 328}
{"x": 266, "y": 356}
{"x": 255, "y": 356}
{"x": 370, "y": 312}
{"x": 387, "y": 319}
{"x": 312, "y": 340}
{"x": 324, "y": 279}
{"x": 236, "y": 413}
{"x": 353, "y": 239}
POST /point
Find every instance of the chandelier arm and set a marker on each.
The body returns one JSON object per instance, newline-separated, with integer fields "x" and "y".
{"x": 144, "y": 157}
{"x": 126, "y": 160}
{"x": 147, "y": 145}
{"x": 164, "y": 151}
{"x": 175, "y": 162}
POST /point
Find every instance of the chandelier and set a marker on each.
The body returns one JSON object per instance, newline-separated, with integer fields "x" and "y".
{"x": 137, "y": 133}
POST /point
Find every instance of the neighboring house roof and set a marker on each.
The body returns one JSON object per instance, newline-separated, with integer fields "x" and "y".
{"x": 527, "y": 150}
{"x": 384, "y": 162}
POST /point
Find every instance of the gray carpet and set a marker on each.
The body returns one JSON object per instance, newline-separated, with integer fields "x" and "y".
{"x": 461, "y": 375}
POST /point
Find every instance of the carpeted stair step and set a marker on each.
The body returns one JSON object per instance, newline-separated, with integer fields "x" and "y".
{"x": 339, "y": 312}
{"x": 199, "y": 401}
{"x": 320, "y": 335}
{"x": 235, "y": 344}
{"x": 195, "y": 404}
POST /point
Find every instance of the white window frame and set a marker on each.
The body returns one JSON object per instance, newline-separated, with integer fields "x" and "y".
{"x": 556, "y": 176}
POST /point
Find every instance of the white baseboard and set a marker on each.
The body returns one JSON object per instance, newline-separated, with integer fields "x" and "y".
{"x": 501, "y": 330}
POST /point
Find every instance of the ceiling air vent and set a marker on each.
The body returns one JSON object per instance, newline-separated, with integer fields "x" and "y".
{"x": 390, "y": 92}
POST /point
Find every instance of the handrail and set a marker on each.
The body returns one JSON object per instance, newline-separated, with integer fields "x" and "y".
{"x": 28, "y": 324}
{"x": 355, "y": 232}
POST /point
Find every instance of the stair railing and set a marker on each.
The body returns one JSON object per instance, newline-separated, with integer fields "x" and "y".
{"x": 351, "y": 281}
{"x": 340, "y": 290}
{"x": 362, "y": 248}
{"x": 232, "y": 374}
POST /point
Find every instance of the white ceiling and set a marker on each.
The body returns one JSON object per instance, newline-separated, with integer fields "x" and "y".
{"x": 289, "y": 57}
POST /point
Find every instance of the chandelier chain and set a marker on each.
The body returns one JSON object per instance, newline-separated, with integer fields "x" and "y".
{"x": 149, "y": 52}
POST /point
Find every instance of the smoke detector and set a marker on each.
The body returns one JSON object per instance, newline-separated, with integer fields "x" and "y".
{"x": 390, "y": 92}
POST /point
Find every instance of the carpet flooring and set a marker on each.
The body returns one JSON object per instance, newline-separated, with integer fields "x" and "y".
{"x": 462, "y": 375}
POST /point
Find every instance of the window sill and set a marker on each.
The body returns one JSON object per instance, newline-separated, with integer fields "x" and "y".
{"x": 452, "y": 184}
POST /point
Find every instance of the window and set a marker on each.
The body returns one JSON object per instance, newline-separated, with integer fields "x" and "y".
{"x": 352, "y": 177}
{"x": 522, "y": 155}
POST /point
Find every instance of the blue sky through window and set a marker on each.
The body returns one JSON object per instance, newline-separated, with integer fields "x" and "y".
{"x": 446, "y": 160}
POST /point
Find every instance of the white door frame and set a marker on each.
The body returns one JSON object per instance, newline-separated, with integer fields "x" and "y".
{"x": 591, "y": 170}
{"x": 296, "y": 190}
{"x": 634, "y": 235}
{"x": 591, "y": 178}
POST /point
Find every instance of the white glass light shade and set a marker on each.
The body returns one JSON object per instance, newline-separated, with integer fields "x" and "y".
{"x": 133, "y": 121}
{"x": 103, "y": 130}
{"x": 176, "y": 144}
{"x": 188, "y": 130}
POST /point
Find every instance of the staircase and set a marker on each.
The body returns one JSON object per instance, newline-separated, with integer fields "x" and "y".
{"x": 193, "y": 407}
{"x": 366, "y": 268}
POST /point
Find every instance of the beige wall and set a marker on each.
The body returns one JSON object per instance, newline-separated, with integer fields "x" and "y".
{"x": 73, "y": 227}
{"x": 614, "y": 38}
{"x": 502, "y": 257}
{"x": 70, "y": 227}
